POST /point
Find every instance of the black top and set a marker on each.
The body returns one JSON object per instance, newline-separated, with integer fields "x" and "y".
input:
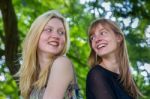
{"x": 104, "y": 84}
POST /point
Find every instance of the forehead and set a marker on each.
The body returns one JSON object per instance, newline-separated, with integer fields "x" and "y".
{"x": 56, "y": 22}
{"x": 100, "y": 27}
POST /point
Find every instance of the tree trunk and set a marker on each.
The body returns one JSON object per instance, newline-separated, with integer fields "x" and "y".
{"x": 11, "y": 35}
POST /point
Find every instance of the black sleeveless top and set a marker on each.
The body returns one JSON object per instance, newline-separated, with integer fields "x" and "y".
{"x": 104, "y": 84}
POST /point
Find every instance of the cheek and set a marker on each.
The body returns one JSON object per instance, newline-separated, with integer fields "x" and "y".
{"x": 42, "y": 38}
{"x": 39, "y": 43}
{"x": 114, "y": 44}
{"x": 62, "y": 41}
{"x": 93, "y": 45}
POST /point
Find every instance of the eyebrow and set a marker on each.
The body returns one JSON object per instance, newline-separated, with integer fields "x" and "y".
{"x": 103, "y": 28}
{"x": 48, "y": 26}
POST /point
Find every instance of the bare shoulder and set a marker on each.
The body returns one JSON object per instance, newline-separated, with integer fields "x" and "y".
{"x": 63, "y": 63}
{"x": 63, "y": 60}
{"x": 60, "y": 76}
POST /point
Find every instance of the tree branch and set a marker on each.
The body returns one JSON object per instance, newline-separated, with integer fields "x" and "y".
{"x": 11, "y": 35}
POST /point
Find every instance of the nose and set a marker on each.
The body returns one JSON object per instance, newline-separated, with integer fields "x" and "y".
{"x": 55, "y": 35}
{"x": 97, "y": 40}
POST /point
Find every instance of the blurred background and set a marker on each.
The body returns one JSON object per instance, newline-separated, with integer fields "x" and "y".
{"x": 133, "y": 16}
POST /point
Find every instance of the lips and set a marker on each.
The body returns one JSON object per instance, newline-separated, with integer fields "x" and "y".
{"x": 101, "y": 45}
{"x": 53, "y": 43}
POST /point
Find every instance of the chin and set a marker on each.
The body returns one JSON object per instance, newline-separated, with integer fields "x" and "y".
{"x": 102, "y": 54}
{"x": 55, "y": 52}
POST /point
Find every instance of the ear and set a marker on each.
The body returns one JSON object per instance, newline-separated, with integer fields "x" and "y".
{"x": 119, "y": 38}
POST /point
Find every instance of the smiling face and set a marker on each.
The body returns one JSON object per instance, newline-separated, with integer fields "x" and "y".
{"x": 104, "y": 41}
{"x": 52, "y": 39}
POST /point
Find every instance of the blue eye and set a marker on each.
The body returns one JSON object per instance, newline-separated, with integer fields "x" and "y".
{"x": 48, "y": 30}
{"x": 92, "y": 37}
{"x": 61, "y": 32}
{"x": 103, "y": 32}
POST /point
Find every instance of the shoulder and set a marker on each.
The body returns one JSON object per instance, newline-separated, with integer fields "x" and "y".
{"x": 60, "y": 76}
{"x": 98, "y": 69}
{"x": 95, "y": 72}
{"x": 62, "y": 61}
{"x": 62, "y": 64}
{"x": 97, "y": 76}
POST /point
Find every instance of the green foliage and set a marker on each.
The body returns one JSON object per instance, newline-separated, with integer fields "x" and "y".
{"x": 8, "y": 88}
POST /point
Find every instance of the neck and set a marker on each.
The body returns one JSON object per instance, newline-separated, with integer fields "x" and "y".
{"x": 110, "y": 63}
{"x": 44, "y": 60}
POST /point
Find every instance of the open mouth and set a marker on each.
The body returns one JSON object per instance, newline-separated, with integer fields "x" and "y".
{"x": 53, "y": 43}
{"x": 102, "y": 45}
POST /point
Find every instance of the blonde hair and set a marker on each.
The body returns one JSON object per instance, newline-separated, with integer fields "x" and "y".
{"x": 125, "y": 74}
{"x": 30, "y": 74}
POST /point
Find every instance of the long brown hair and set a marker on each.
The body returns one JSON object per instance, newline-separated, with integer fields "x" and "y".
{"x": 30, "y": 74}
{"x": 125, "y": 73}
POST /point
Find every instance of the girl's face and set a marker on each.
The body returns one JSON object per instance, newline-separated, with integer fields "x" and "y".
{"x": 52, "y": 39}
{"x": 104, "y": 41}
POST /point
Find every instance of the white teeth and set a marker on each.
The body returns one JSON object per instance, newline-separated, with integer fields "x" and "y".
{"x": 53, "y": 43}
{"x": 101, "y": 45}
